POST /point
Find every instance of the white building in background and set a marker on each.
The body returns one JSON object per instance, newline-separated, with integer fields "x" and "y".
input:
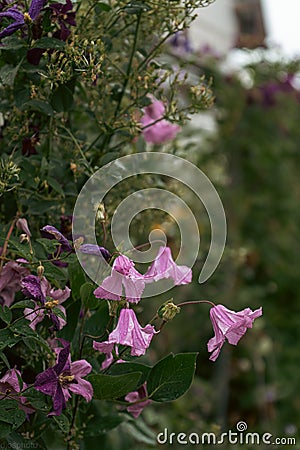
{"x": 226, "y": 24}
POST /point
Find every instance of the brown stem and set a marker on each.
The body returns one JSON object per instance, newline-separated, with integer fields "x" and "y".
{"x": 5, "y": 245}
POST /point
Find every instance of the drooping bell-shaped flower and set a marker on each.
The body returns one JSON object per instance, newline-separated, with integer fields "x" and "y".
{"x": 165, "y": 267}
{"x": 128, "y": 332}
{"x": 229, "y": 325}
{"x": 123, "y": 277}
{"x": 138, "y": 399}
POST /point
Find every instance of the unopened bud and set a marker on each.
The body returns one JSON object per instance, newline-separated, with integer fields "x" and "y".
{"x": 22, "y": 225}
{"x": 73, "y": 167}
{"x": 78, "y": 242}
{"x": 100, "y": 215}
{"x": 168, "y": 311}
{"x": 40, "y": 271}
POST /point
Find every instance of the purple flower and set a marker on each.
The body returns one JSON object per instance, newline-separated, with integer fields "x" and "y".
{"x": 50, "y": 232}
{"x": 128, "y": 332}
{"x": 165, "y": 267}
{"x": 65, "y": 377}
{"x": 63, "y": 14}
{"x": 41, "y": 291}
{"x": 91, "y": 249}
{"x": 156, "y": 129}
{"x": 229, "y": 324}
{"x": 10, "y": 386}
{"x": 20, "y": 18}
{"x": 10, "y": 278}
{"x": 123, "y": 275}
{"x": 139, "y": 401}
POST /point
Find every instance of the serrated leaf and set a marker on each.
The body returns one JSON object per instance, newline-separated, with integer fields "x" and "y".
{"x": 108, "y": 387}
{"x": 171, "y": 377}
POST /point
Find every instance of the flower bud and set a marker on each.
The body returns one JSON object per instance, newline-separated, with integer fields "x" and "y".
{"x": 78, "y": 242}
{"x": 168, "y": 311}
{"x": 40, "y": 271}
{"x": 22, "y": 225}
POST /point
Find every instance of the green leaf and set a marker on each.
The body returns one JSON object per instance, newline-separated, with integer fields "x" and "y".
{"x": 11, "y": 413}
{"x": 88, "y": 299}
{"x": 171, "y": 377}
{"x": 5, "y": 314}
{"x": 5, "y": 429}
{"x": 56, "y": 186}
{"x": 102, "y": 6}
{"x": 40, "y": 106}
{"x": 59, "y": 313}
{"x": 108, "y": 387}
{"x": 36, "y": 399}
{"x": 8, "y": 74}
{"x": 128, "y": 367}
{"x": 48, "y": 245}
{"x": 62, "y": 422}
{"x": 21, "y": 327}
{"x": 47, "y": 42}
{"x": 102, "y": 424}
{"x": 53, "y": 273}
{"x": 22, "y": 249}
{"x": 62, "y": 98}
{"x": 23, "y": 304}
{"x": 68, "y": 330}
{"x": 77, "y": 278}
{"x": 7, "y": 338}
{"x": 97, "y": 323}
{"x": 5, "y": 360}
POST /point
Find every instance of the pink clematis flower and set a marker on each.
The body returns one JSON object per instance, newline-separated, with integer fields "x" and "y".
{"x": 10, "y": 387}
{"x": 128, "y": 332}
{"x": 229, "y": 324}
{"x": 136, "y": 398}
{"x": 41, "y": 291}
{"x": 162, "y": 130}
{"x": 123, "y": 275}
{"x": 63, "y": 377}
{"x": 165, "y": 267}
{"x": 10, "y": 278}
